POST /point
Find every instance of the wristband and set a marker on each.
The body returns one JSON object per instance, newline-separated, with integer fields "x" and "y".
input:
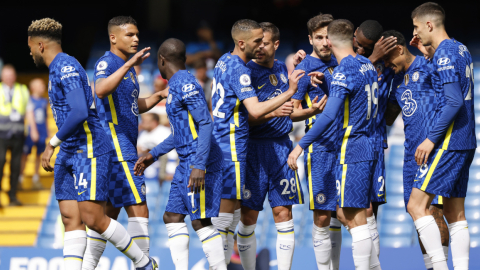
{"x": 54, "y": 141}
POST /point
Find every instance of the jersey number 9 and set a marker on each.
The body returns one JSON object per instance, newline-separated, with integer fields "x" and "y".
{"x": 372, "y": 93}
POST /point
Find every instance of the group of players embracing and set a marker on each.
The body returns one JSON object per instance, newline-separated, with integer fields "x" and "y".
{"x": 354, "y": 83}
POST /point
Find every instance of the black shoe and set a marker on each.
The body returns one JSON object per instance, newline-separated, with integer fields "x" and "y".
{"x": 15, "y": 202}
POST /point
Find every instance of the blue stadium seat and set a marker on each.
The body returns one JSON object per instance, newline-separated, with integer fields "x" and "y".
{"x": 52, "y": 214}
{"x": 394, "y": 175}
{"x": 472, "y": 214}
{"x": 398, "y": 228}
{"x": 395, "y": 216}
{"x": 394, "y": 188}
{"x": 46, "y": 242}
{"x": 395, "y": 202}
{"x": 152, "y": 187}
{"x": 48, "y": 228}
{"x": 472, "y": 202}
{"x": 122, "y": 217}
{"x": 395, "y": 242}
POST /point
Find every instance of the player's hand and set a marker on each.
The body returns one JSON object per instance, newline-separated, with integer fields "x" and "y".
{"x": 316, "y": 78}
{"x": 298, "y": 57}
{"x": 415, "y": 42}
{"x": 46, "y": 156}
{"x": 142, "y": 163}
{"x": 423, "y": 151}
{"x": 285, "y": 110}
{"x": 139, "y": 57}
{"x": 292, "y": 158}
{"x": 294, "y": 78}
{"x": 34, "y": 136}
{"x": 196, "y": 183}
{"x": 320, "y": 105}
{"x": 382, "y": 48}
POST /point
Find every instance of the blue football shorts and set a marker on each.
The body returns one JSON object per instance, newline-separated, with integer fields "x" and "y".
{"x": 126, "y": 188}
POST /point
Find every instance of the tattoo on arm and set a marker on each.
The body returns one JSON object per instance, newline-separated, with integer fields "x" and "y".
{"x": 392, "y": 112}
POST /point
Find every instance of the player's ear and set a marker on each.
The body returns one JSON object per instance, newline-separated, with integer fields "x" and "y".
{"x": 310, "y": 39}
{"x": 276, "y": 44}
{"x": 329, "y": 43}
{"x": 41, "y": 47}
{"x": 429, "y": 26}
{"x": 113, "y": 39}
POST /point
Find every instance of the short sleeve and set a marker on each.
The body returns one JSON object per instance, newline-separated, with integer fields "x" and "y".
{"x": 303, "y": 85}
{"x": 342, "y": 83}
{"x": 30, "y": 106}
{"x": 103, "y": 69}
{"x": 70, "y": 78}
{"x": 241, "y": 83}
{"x": 192, "y": 94}
{"x": 446, "y": 65}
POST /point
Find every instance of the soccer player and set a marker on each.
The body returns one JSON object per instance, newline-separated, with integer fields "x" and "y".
{"x": 353, "y": 86}
{"x": 267, "y": 152}
{"x": 413, "y": 94}
{"x": 320, "y": 157}
{"x": 447, "y": 152}
{"x": 234, "y": 101}
{"x": 118, "y": 106}
{"x": 197, "y": 183}
{"x": 84, "y": 158}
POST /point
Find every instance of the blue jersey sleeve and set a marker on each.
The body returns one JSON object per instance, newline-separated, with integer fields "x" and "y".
{"x": 164, "y": 147}
{"x": 303, "y": 86}
{"x": 445, "y": 63}
{"x": 342, "y": 83}
{"x": 103, "y": 69}
{"x": 241, "y": 83}
{"x": 77, "y": 115}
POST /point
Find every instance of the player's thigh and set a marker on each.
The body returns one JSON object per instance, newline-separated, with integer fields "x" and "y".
{"x": 234, "y": 173}
{"x": 454, "y": 209}
{"x": 410, "y": 168}
{"x": 63, "y": 177}
{"x": 206, "y": 203}
{"x": 444, "y": 173}
{"x": 355, "y": 182}
{"x": 284, "y": 186}
{"x": 178, "y": 190}
{"x": 379, "y": 191}
{"x": 256, "y": 178}
{"x": 126, "y": 188}
{"x": 320, "y": 172}
{"x": 70, "y": 214}
{"x": 91, "y": 177}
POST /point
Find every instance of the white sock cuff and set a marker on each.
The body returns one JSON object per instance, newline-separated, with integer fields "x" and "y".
{"x": 284, "y": 227}
{"x": 360, "y": 233}
{"x": 423, "y": 222}
{"x": 427, "y": 261}
{"x": 245, "y": 230}
{"x": 437, "y": 256}
{"x": 206, "y": 233}
{"x": 335, "y": 223}
{"x": 110, "y": 230}
{"x": 236, "y": 219}
{"x": 371, "y": 220}
{"x": 445, "y": 251}
{"x": 320, "y": 232}
{"x": 176, "y": 229}
{"x": 455, "y": 227}
{"x": 223, "y": 222}
{"x": 141, "y": 220}
{"x": 75, "y": 234}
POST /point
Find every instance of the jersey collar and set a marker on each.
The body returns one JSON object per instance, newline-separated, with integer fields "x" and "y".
{"x": 55, "y": 60}
{"x": 237, "y": 58}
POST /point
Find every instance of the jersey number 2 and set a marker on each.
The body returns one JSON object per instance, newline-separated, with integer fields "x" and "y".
{"x": 469, "y": 73}
{"x": 218, "y": 89}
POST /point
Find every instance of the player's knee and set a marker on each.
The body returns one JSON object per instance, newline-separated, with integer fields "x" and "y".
{"x": 282, "y": 215}
{"x": 201, "y": 223}
{"x": 172, "y": 218}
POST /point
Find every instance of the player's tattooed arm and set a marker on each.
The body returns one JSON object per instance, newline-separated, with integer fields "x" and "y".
{"x": 382, "y": 48}
{"x": 285, "y": 110}
{"x": 259, "y": 109}
{"x": 303, "y": 114}
{"x": 106, "y": 86}
{"x": 146, "y": 104}
{"x": 393, "y": 110}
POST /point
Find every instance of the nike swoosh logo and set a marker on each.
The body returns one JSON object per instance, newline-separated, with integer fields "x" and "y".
{"x": 193, "y": 212}
{"x": 379, "y": 195}
{"x": 125, "y": 78}
{"x": 260, "y": 87}
{"x": 79, "y": 193}
{"x": 292, "y": 197}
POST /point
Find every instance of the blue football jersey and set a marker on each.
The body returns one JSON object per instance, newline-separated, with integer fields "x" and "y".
{"x": 231, "y": 84}
{"x": 66, "y": 74}
{"x": 119, "y": 111}
{"x": 385, "y": 78}
{"x": 452, "y": 62}
{"x": 355, "y": 81}
{"x": 415, "y": 94}
{"x": 269, "y": 83}
{"x": 306, "y": 93}
{"x": 186, "y": 95}
{"x": 39, "y": 108}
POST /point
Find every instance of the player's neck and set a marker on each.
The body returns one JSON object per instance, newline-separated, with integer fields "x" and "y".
{"x": 51, "y": 54}
{"x": 440, "y": 36}
{"x": 119, "y": 53}
{"x": 268, "y": 64}
{"x": 409, "y": 59}
{"x": 240, "y": 54}
{"x": 172, "y": 69}
{"x": 341, "y": 53}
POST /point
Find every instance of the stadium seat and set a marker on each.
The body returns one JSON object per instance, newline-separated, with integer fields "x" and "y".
{"x": 46, "y": 242}
{"x": 48, "y": 228}
{"x": 395, "y": 242}
{"x": 395, "y": 202}
{"x": 393, "y": 215}
{"x": 405, "y": 229}
{"x": 472, "y": 214}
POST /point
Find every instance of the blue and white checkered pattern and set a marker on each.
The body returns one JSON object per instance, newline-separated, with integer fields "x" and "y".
{"x": 385, "y": 78}
{"x": 126, "y": 188}
{"x": 234, "y": 173}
